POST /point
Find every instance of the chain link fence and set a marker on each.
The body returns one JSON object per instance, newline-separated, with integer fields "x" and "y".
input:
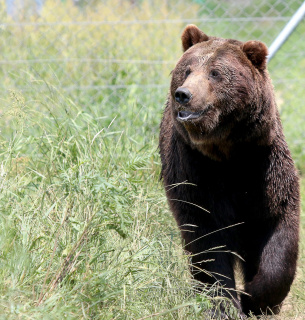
{"x": 117, "y": 55}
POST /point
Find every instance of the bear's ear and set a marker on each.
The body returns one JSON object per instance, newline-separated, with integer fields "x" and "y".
{"x": 192, "y": 35}
{"x": 256, "y": 52}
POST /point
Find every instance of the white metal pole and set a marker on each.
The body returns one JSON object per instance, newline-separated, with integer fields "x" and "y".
{"x": 285, "y": 33}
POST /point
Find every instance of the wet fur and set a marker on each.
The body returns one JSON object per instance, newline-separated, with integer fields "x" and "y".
{"x": 238, "y": 170}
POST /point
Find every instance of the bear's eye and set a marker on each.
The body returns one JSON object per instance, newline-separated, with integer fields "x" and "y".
{"x": 187, "y": 72}
{"x": 215, "y": 74}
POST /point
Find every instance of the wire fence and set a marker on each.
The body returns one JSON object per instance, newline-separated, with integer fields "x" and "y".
{"x": 107, "y": 53}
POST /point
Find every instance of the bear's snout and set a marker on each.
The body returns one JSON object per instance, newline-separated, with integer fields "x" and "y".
{"x": 183, "y": 95}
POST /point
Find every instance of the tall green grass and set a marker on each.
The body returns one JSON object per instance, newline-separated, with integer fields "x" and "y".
{"x": 85, "y": 231}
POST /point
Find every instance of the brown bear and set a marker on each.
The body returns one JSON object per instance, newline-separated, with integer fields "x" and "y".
{"x": 229, "y": 177}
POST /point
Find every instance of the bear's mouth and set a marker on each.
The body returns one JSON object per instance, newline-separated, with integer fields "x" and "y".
{"x": 188, "y": 115}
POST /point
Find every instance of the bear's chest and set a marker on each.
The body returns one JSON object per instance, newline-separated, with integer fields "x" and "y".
{"x": 233, "y": 191}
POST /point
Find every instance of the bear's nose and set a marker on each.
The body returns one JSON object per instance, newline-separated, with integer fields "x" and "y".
{"x": 183, "y": 95}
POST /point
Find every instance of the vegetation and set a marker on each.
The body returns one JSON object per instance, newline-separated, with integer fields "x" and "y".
{"x": 85, "y": 231}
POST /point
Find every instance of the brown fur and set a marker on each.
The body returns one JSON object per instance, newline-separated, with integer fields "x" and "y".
{"x": 238, "y": 167}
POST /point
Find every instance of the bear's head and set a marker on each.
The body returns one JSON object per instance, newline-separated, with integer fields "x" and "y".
{"x": 221, "y": 92}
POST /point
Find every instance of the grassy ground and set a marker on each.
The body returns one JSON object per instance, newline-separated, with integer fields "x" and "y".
{"x": 85, "y": 230}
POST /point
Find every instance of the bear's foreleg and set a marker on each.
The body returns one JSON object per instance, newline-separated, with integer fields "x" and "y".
{"x": 270, "y": 271}
{"x": 211, "y": 262}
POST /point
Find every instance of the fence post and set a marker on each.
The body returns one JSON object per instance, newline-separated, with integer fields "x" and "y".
{"x": 286, "y": 32}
